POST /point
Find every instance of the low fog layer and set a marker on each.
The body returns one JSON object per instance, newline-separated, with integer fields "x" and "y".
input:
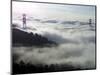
{"x": 76, "y": 46}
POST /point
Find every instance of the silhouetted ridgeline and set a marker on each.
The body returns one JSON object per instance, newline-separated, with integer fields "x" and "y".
{"x": 23, "y": 68}
{"x": 22, "y": 38}
{"x": 29, "y": 68}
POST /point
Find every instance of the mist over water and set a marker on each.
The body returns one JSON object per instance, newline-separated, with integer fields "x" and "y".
{"x": 76, "y": 45}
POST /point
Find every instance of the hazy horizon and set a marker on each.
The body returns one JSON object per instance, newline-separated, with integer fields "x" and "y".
{"x": 53, "y": 11}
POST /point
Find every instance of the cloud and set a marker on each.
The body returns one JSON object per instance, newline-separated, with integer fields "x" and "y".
{"x": 76, "y": 47}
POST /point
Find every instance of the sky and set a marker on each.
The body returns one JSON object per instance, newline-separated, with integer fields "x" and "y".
{"x": 53, "y": 11}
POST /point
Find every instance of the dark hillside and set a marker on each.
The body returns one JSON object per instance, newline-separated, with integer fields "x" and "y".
{"x": 22, "y": 38}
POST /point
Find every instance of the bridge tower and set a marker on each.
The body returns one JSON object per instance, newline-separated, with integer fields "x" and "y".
{"x": 24, "y": 21}
{"x": 90, "y": 22}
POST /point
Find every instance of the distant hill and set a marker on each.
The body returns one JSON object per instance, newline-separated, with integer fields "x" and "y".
{"x": 50, "y": 21}
{"x": 22, "y": 38}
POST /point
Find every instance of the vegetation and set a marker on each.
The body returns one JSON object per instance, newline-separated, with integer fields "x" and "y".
{"x": 23, "y": 68}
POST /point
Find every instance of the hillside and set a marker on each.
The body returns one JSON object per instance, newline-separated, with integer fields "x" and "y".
{"x": 22, "y": 38}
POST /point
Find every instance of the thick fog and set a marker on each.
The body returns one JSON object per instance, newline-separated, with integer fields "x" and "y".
{"x": 76, "y": 45}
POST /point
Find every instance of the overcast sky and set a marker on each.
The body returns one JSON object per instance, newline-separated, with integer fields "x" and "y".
{"x": 53, "y": 11}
